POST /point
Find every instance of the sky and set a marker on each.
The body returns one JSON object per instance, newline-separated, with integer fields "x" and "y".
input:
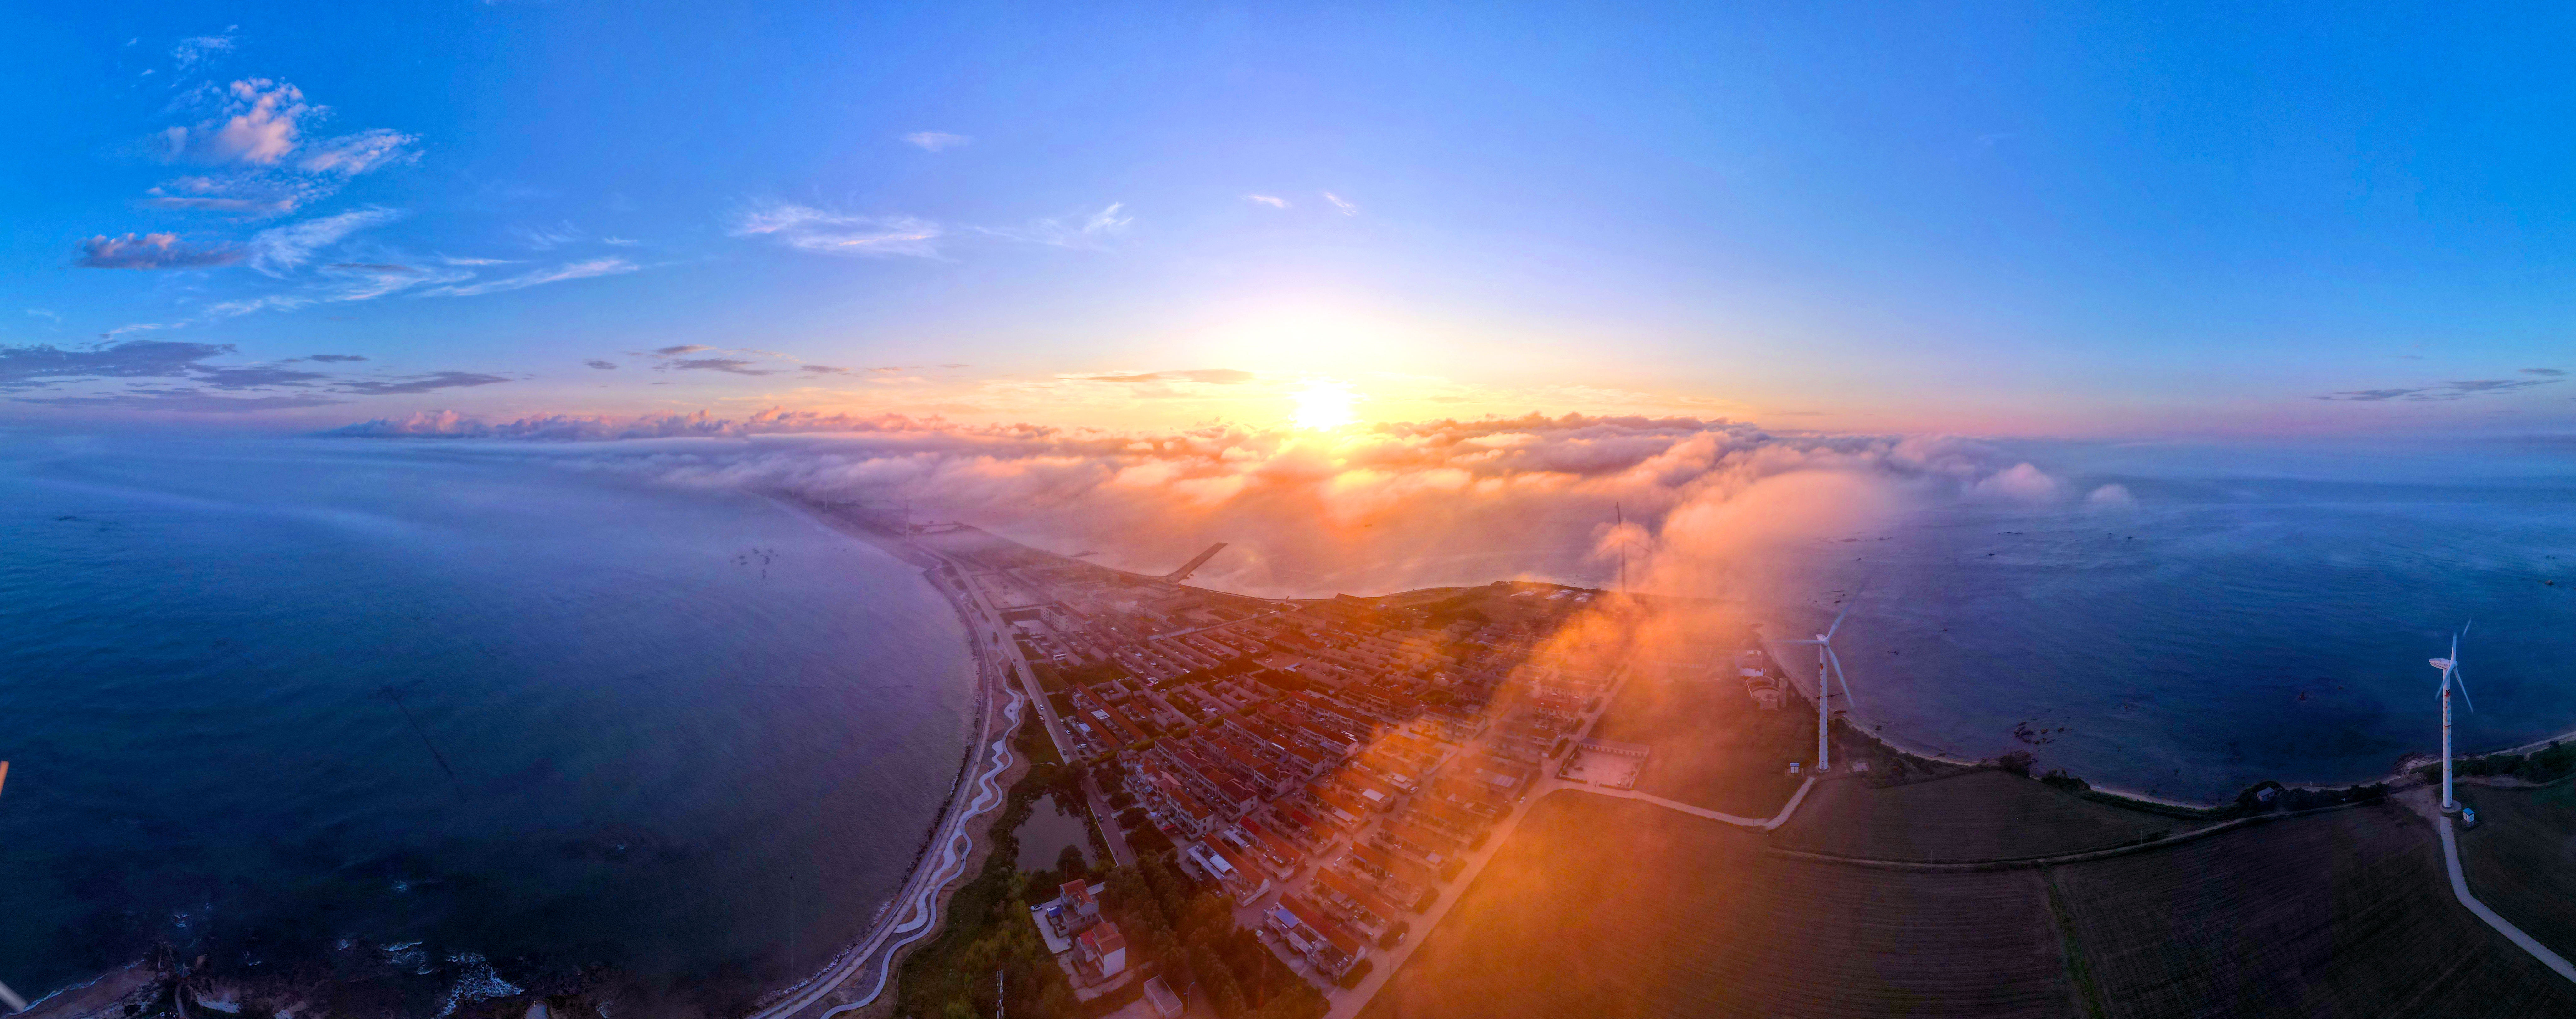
{"x": 1988, "y": 219}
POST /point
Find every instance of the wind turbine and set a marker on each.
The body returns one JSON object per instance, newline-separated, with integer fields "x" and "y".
{"x": 1828, "y": 669}
{"x": 2451, "y": 674}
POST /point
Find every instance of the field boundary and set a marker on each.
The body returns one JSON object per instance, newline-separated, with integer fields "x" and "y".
{"x": 2034, "y": 862}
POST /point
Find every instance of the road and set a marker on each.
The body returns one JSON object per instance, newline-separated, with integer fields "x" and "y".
{"x": 1107, "y": 819}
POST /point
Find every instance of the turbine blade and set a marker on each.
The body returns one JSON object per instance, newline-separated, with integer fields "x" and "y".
{"x": 2458, "y": 675}
{"x": 1849, "y": 703}
{"x": 1838, "y": 619}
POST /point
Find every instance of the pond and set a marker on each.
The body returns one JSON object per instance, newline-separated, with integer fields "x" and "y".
{"x": 1048, "y": 830}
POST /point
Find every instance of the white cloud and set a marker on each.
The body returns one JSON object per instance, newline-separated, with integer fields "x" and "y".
{"x": 2018, "y": 483}
{"x": 254, "y": 135}
{"x": 936, "y": 141}
{"x": 1272, "y": 201}
{"x": 825, "y": 232}
{"x": 570, "y": 271}
{"x": 1346, "y": 208}
{"x": 623, "y": 242}
{"x": 2111, "y": 497}
{"x": 277, "y": 250}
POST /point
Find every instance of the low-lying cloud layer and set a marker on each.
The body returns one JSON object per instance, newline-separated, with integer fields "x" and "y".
{"x": 1710, "y": 505}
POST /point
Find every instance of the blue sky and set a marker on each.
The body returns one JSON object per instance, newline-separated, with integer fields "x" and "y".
{"x": 1992, "y": 219}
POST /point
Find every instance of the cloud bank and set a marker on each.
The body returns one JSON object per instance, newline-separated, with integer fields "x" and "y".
{"x": 1713, "y": 506}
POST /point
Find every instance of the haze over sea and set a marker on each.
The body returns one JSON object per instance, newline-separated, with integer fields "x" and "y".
{"x": 693, "y": 735}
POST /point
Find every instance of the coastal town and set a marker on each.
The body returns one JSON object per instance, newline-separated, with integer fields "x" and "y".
{"x": 1327, "y": 765}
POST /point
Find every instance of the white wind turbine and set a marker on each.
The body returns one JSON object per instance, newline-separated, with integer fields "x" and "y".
{"x": 2451, "y": 674}
{"x": 1829, "y": 668}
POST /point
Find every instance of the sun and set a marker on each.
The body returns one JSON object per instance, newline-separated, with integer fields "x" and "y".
{"x": 1325, "y": 405}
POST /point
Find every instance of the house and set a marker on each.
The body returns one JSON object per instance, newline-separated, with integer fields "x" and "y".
{"x": 1101, "y": 950}
{"x": 1081, "y": 909}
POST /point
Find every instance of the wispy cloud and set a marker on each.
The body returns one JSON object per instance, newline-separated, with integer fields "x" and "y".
{"x": 278, "y": 250}
{"x": 336, "y": 358}
{"x": 606, "y": 366}
{"x": 23, "y": 367}
{"x": 821, "y": 369}
{"x": 547, "y": 238}
{"x": 729, "y": 365}
{"x": 1272, "y": 201}
{"x": 2546, "y": 372}
{"x": 685, "y": 348}
{"x": 196, "y": 49}
{"x": 936, "y": 141}
{"x": 2443, "y": 391}
{"x": 419, "y": 383}
{"x": 558, "y": 274}
{"x": 1091, "y": 231}
{"x": 825, "y": 232}
{"x": 623, "y": 242}
{"x": 153, "y": 251}
{"x": 1344, "y": 207}
{"x": 42, "y": 313}
{"x": 184, "y": 399}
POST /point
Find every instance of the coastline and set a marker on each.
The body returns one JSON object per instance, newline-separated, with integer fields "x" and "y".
{"x": 914, "y": 909}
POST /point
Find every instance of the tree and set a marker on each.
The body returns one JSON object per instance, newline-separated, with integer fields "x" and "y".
{"x": 1071, "y": 864}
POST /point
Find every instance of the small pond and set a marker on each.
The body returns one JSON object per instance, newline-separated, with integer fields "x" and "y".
{"x": 1048, "y": 830}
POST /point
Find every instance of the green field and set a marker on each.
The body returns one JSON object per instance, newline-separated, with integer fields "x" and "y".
{"x": 1602, "y": 907}
{"x": 2347, "y": 913}
{"x": 2521, "y": 859}
{"x": 1713, "y": 747}
{"x": 1978, "y": 815}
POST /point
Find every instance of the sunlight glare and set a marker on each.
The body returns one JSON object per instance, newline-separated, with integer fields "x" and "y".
{"x": 1325, "y": 406}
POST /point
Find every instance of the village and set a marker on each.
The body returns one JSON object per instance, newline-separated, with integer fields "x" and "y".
{"x": 1327, "y": 764}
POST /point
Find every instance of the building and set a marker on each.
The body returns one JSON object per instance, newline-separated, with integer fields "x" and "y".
{"x": 1101, "y": 951}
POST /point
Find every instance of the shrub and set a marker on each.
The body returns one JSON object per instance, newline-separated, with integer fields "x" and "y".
{"x": 2057, "y": 778}
{"x": 2018, "y": 762}
{"x": 1352, "y": 979}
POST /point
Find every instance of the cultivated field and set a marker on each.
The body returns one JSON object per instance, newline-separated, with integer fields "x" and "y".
{"x": 2346, "y": 913}
{"x": 1601, "y": 907}
{"x": 1713, "y": 747}
{"x": 1977, "y": 815}
{"x": 2521, "y": 859}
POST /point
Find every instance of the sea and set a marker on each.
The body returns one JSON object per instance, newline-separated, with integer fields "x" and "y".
{"x": 282, "y": 701}
{"x": 2223, "y": 615}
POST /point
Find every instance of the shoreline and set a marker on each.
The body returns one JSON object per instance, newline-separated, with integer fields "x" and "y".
{"x": 894, "y": 916}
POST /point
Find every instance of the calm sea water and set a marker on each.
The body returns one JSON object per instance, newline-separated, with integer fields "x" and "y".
{"x": 263, "y": 697}
{"x": 2258, "y": 613}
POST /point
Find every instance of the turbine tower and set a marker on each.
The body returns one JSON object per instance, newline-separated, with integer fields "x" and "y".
{"x": 1828, "y": 669}
{"x": 2451, "y": 674}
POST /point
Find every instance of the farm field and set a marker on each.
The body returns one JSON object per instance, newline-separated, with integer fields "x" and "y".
{"x": 1604, "y": 907}
{"x": 2521, "y": 859}
{"x": 1977, "y": 815}
{"x": 1713, "y": 747}
{"x": 2346, "y": 913}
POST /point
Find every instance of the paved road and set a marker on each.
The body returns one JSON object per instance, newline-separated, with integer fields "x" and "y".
{"x": 1107, "y": 819}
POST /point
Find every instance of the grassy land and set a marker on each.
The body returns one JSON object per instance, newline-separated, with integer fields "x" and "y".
{"x": 1713, "y": 747}
{"x": 1977, "y": 815}
{"x": 1601, "y": 907}
{"x": 2345, "y": 913}
{"x": 2521, "y": 859}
